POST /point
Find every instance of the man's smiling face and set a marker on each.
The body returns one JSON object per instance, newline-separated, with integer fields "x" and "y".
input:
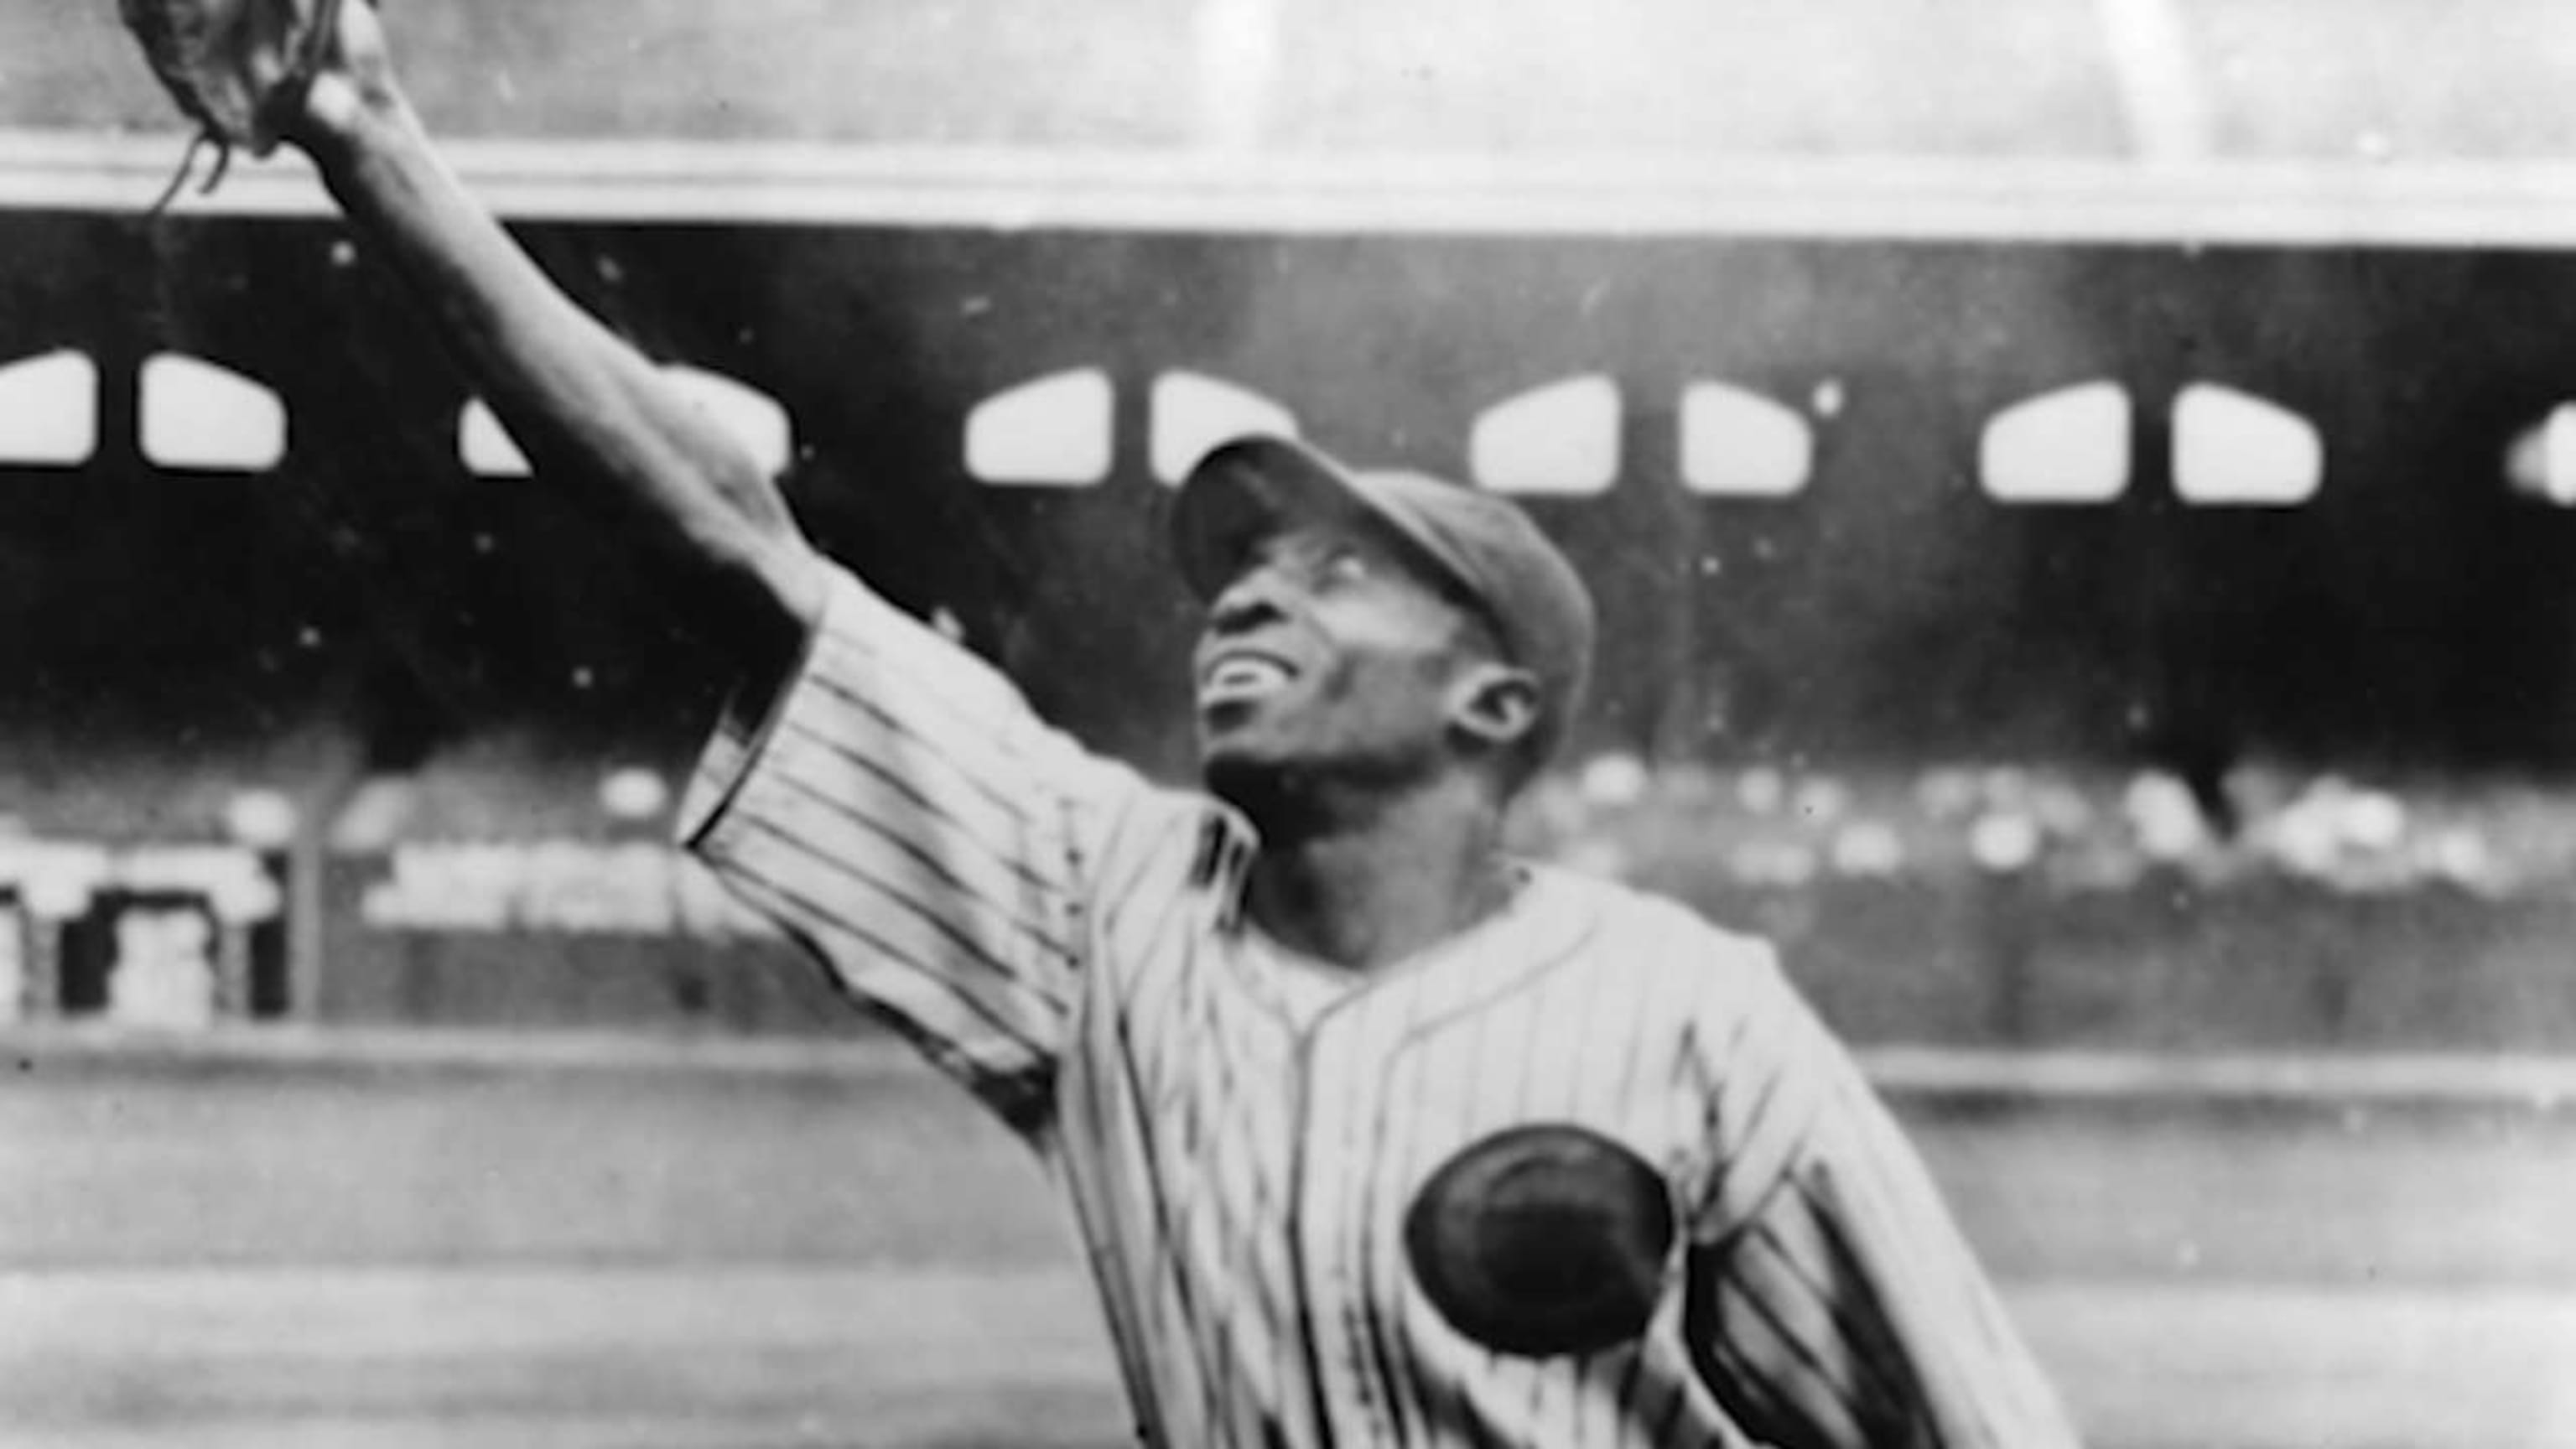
{"x": 1333, "y": 652}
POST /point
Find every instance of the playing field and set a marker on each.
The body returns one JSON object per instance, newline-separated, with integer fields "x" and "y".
{"x": 489, "y": 1244}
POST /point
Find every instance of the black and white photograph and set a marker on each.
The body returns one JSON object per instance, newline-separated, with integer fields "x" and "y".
{"x": 1287, "y": 724}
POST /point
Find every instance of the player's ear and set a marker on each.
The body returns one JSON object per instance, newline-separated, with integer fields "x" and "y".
{"x": 1495, "y": 704}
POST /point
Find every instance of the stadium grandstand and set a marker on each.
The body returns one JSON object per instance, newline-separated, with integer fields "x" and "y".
{"x": 2033, "y": 468}
{"x": 1904, "y": 380}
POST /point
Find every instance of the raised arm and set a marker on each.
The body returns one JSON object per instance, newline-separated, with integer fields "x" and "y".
{"x": 589, "y": 409}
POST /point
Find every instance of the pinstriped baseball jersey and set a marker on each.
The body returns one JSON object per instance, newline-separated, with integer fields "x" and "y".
{"x": 1242, "y": 1133}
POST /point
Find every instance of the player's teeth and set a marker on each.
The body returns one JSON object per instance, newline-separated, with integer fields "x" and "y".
{"x": 1237, "y": 674}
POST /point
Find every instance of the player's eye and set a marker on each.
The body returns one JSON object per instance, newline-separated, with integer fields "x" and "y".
{"x": 1322, "y": 565}
{"x": 1342, "y": 566}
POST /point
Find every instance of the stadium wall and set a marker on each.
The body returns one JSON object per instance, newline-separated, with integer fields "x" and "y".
{"x": 376, "y": 597}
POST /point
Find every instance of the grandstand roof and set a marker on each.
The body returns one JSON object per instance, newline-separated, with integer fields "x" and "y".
{"x": 2324, "y": 80}
{"x": 2293, "y": 120}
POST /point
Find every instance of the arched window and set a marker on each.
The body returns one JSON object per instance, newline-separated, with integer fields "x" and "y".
{"x": 2542, "y": 461}
{"x": 1560, "y": 438}
{"x": 198, "y": 414}
{"x": 2066, "y": 446}
{"x": 1052, "y": 431}
{"x": 2232, "y": 447}
{"x": 1194, "y": 412}
{"x": 1739, "y": 444}
{"x": 757, "y": 419}
{"x": 49, "y": 409}
{"x": 487, "y": 447}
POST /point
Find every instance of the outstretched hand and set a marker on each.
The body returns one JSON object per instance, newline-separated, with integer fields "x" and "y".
{"x": 252, "y": 73}
{"x": 356, "y": 64}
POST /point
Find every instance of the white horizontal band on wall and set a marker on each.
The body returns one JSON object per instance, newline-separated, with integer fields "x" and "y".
{"x": 2507, "y": 204}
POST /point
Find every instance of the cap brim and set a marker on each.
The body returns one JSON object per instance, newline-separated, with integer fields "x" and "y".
{"x": 1249, "y": 488}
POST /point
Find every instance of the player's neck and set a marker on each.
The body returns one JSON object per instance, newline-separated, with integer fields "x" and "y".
{"x": 1372, "y": 888}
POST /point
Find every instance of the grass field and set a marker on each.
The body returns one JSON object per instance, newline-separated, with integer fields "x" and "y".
{"x": 494, "y": 1243}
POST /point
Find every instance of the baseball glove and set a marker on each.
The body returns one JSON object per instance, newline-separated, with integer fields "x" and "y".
{"x": 235, "y": 66}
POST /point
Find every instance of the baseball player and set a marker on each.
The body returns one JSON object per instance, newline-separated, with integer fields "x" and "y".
{"x": 1373, "y": 1134}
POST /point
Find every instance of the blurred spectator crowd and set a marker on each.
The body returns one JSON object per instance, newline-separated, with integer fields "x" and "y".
{"x": 2069, "y": 830}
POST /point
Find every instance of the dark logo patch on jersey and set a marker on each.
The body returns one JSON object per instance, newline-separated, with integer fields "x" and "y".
{"x": 1542, "y": 1239}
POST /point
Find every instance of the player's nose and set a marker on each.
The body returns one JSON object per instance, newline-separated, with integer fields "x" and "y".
{"x": 1247, "y": 602}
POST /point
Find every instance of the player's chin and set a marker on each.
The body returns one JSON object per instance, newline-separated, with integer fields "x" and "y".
{"x": 1244, "y": 770}
{"x": 1231, "y": 755}
{"x": 1235, "y": 730}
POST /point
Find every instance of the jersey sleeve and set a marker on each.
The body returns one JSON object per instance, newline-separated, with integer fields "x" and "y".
{"x": 903, "y": 815}
{"x": 1832, "y": 1302}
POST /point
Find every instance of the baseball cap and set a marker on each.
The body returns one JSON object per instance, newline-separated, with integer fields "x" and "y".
{"x": 1250, "y": 487}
